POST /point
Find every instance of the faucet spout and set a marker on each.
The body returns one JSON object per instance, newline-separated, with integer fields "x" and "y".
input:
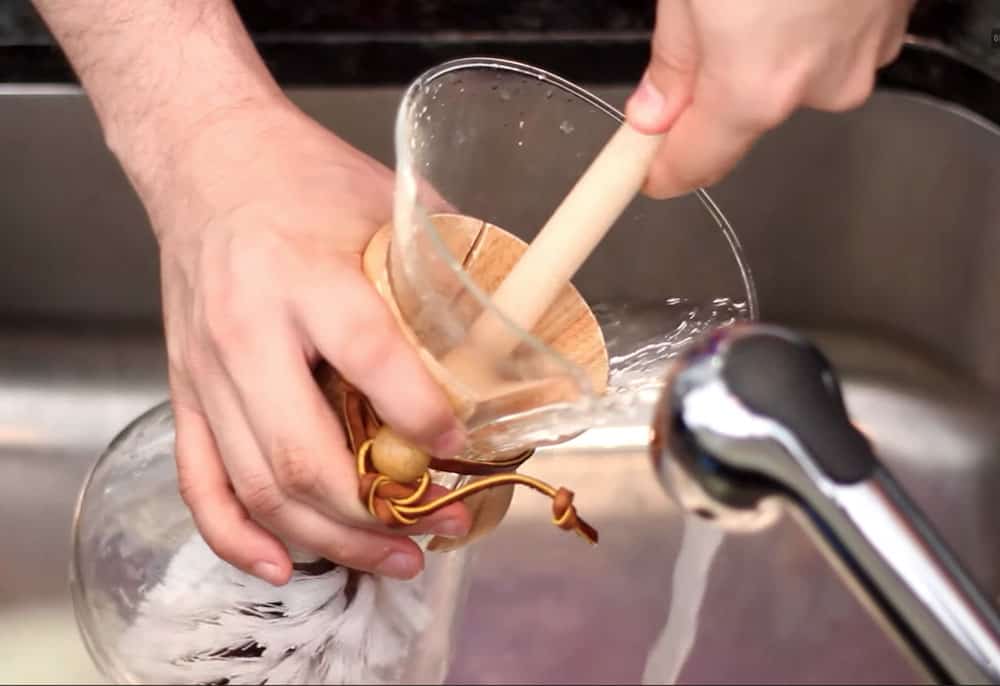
{"x": 754, "y": 413}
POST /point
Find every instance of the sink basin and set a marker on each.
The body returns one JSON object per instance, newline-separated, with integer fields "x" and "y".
{"x": 874, "y": 232}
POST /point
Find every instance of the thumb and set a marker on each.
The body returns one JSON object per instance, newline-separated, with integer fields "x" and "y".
{"x": 667, "y": 85}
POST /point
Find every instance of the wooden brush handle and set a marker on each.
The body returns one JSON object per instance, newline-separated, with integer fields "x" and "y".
{"x": 567, "y": 239}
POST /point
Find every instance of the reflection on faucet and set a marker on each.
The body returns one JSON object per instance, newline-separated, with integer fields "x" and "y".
{"x": 751, "y": 411}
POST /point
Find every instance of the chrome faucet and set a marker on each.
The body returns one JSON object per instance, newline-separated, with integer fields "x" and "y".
{"x": 752, "y": 416}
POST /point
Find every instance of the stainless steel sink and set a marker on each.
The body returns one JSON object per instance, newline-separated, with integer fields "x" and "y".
{"x": 875, "y": 232}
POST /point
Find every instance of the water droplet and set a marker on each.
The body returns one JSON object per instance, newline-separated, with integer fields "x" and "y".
{"x": 520, "y": 144}
{"x": 548, "y": 93}
{"x": 504, "y": 94}
{"x": 567, "y": 126}
{"x": 520, "y": 124}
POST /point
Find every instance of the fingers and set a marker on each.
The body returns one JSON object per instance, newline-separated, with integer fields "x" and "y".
{"x": 292, "y": 423}
{"x": 294, "y": 522}
{"x": 300, "y": 435}
{"x": 895, "y": 34}
{"x": 666, "y": 87}
{"x": 705, "y": 143}
{"x": 713, "y": 91}
{"x": 370, "y": 551}
{"x": 355, "y": 331}
{"x": 223, "y": 522}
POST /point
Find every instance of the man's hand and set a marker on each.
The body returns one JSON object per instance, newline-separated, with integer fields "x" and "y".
{"x": 723, "y": 72}
{"x": 262, "y": 216}
{"x": 261, "y": 236}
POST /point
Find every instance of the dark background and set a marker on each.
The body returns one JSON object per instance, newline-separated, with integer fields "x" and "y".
{"x": 389, "y": 41}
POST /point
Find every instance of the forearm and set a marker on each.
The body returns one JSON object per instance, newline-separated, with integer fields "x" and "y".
{"x": 156, "y": 71}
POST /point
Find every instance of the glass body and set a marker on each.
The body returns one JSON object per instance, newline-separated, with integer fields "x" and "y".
{"x": 492, "y": 139}
{"x": 155, "y": 605}
{"x": 504, "y": 142}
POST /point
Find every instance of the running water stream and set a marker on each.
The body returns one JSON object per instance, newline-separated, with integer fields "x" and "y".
{"x": 700, "y": 543}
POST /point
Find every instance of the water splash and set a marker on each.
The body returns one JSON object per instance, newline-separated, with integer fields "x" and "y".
{"x": 641, "y": 341}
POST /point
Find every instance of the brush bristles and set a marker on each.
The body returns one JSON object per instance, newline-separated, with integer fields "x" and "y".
{"x": 208, "y": 623}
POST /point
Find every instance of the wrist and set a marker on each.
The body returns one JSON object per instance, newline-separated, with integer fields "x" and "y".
{"x": 154, "y": 151}
{"x": 150, "y": 139}
{"x": 158, "y": 77}
{"x": 188, "y": 173}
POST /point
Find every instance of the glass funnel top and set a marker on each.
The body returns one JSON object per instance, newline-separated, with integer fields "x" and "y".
{"x": 499, "y": 144}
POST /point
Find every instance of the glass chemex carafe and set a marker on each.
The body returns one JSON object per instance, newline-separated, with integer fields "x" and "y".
{"x": 485, "y": 150}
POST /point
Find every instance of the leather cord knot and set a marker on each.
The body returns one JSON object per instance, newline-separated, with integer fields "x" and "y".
{"x": 398, "y": 504}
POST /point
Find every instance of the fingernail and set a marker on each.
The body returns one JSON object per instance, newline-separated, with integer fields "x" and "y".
{"x": 269, "y": 572}
{"x": 449, "y": 443}
{"x": 399, "y": 566}
{"x": 647, "y": 108}
{"x": 451, "y": 528}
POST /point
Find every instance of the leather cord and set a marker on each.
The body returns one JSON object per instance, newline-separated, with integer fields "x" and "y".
{"x": 397, "y": 504}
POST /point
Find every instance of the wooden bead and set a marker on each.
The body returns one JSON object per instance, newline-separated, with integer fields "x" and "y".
{"x": 396, "y": 458}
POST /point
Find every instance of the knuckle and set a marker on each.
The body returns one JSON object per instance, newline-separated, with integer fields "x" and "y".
{"x": 347, "y": 554}
{"x": 177, "y": 365}
{"x": 891, "y": 48}
{"x": 666, "y": 59}
{"x": 776, "y": 106}
{"x": 689, "y": 178}
{"x": 187, "y": 487}
{"x": 185, "y": 361}
{"x": 686, "y": 174}
{"x": 661, "y": 182}
{"x": 891, "y": 53}
{"x": 711, "y": 178}
{"x": 232, "y": 295}
{"x": 854, "y": 94}
{"x": 763, "y": 96}
{"x": 261, "y": 497}
{"x": 295, "y": 471}
{"x": 226, "y": 323}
